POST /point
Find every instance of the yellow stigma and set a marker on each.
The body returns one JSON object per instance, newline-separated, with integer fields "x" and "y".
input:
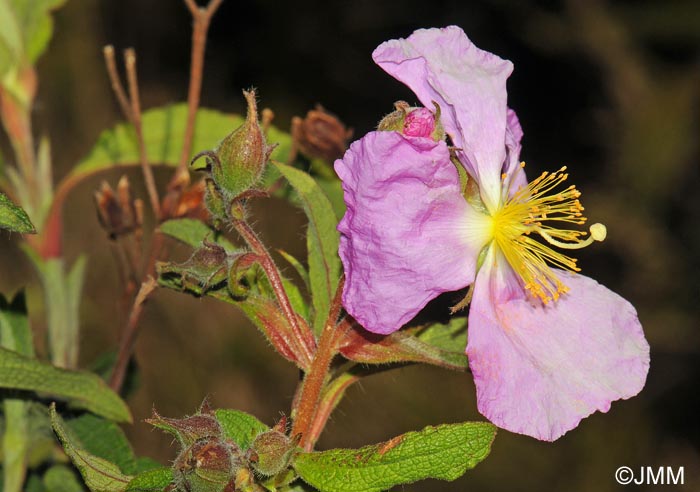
{"x": 537, "y": 208}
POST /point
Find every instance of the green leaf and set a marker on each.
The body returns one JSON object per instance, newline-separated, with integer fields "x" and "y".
{"x": 298, "y": 267}
{"x": 13, "y": 217}
{"x": 239, "y": 426}
{"x": 451, "y": 337}
{"x": 322, "y": 241}
{"x": 104, "y": 439}
{"x": 60, "y": 478}
{"x": 444, "y": 452}
{"x": 151, "y": 481}
{"x": 163, "y": 130}
{"x": 36, "y": 24}
{"x": 194, "y": 232}
{"x": 99, "y": 474}
{"x": 15, "y": 335}
{"x": 81, "y": 389}
{"x": 333, "y": 188}
{"x": 362, "y": 346}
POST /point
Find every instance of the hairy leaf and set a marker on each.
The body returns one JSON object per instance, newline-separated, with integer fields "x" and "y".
{"x": 60, "y": 478}
{"x": 155, "y": 480}
{"x": 13, "y": 218}
{"x": 104, "y": 439}
{"x": 15, "y": 335}
{"x": 322, "y": 241}
{"x": 239, "y": 426}
{"x": 81, "y": 389}
{"x": 194, "y": 232}
{"x": 444, "y": 452}
{"x": 163, "y": 130}
{"x": 99, "y": 474}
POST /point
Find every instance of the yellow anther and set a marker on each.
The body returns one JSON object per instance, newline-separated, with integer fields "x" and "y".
{"x": 538, "y": 208}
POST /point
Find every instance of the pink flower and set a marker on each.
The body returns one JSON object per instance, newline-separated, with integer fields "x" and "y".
{"x": 547, "y": 346}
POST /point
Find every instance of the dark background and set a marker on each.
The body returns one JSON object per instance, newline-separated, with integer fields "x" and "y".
{"x": 611, "y": 89}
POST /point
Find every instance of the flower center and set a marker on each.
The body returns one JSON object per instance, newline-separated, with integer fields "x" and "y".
{"x": 538, "y": 208}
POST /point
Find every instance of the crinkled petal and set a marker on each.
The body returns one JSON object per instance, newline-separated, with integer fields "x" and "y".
{"x": 514, "y": 173}
{"x": 540, "y": 369}
{"x": 469, "y": 84}
{"x": 401, "y": 242}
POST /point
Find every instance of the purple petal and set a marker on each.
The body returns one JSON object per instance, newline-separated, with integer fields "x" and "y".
{"x": 401, "y": 243}
{"x": 469, "y": 84}
{"x": 540, "y": 369}
{"x": 515, "y": 174}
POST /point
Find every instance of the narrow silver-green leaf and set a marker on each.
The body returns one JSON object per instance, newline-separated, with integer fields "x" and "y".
{"x": 444, "y": 452}
{"x": 13, "y": 218}
{"x": 81, "y": 389}
{"x": 322, "y": 241}
{"x": 99, "y": 474}
{"x": 239, "y": 426}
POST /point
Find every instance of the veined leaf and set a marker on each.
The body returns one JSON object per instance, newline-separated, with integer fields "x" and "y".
{"x": 104, "y": 439}
{"x": 81, "y": 389}
{"x": 322, "y": 241}
{"x": 15, "y": 335}
{"x": 155, "y": 480}
{"x": 239, "y": 426}
{"x": 13, "y": 217}
{"x": 163, "y": 130}
{"x": 99, "y": 474}
{"x": 444, "y": 452}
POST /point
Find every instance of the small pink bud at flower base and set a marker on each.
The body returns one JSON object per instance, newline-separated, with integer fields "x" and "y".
{"x": 419, "y": 123}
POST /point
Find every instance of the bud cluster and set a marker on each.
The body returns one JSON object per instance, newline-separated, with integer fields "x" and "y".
{"x": 210, "y": 462}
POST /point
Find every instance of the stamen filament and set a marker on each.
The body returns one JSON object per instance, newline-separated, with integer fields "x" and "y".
{"x": 534, "y": 209}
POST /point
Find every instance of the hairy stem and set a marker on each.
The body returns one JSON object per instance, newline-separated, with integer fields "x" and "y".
{"x": 303, "y": 336}
{"x": 308, "y": 403}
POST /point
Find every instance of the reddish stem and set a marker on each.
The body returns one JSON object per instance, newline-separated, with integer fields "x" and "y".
{"x": 308, "y": 403}
{"x": 303, "y": 336}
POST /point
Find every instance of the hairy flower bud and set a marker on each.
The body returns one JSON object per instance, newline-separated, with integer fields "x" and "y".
{"x": 320, "y": 135}
{"x": 208, "y": 465}
{"x": 271, "y": 452}
{"x": 190, "y": 429}
{"x": 204, "y": 270}
{"x": 239, "y": 161}
{"x": 413, "y": 121}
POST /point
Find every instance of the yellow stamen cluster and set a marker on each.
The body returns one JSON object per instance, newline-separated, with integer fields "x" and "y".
{"x": 537, "y": 208}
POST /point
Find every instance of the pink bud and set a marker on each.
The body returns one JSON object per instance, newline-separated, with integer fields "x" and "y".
{"x": 419, "y": 123}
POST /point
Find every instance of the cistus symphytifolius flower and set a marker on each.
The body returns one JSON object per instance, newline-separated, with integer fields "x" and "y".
{"x": 546, "y": 346}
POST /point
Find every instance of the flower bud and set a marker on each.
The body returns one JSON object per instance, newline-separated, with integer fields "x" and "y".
{"x": 190, "y": 429}
{"x": 208, "y": 465}
{"x": 413, "y": 121}
{"x": 239, "y": 161}
{"x": 204, "y": 270}
{"x": 271, "y": 452}
{"x": 117, "y": 212}
{"x": 320, "y": 135}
